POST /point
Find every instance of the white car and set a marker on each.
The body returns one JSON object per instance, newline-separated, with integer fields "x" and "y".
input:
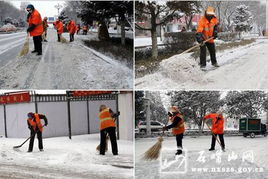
{"x": 155, "y": 126}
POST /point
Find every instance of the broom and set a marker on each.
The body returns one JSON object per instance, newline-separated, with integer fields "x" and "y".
{"x": 62, "y": 39}
{"x": 106, "y": 146}
{"x": 25, "y": 48}
{"x": 153, "y": 152}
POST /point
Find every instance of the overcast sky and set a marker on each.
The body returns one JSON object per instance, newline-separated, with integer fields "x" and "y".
{"x": 46, "y": 8}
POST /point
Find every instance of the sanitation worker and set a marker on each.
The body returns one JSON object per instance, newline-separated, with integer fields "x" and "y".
{"x": 207, "y": 28}
{"x": 45, "y": 26}
{"x": 107, "y": 126}
{"x": 177, "y": 125}
{"x": 58, "y": 25}
{"x": 71, "y": 27}
{"x": 36, "y": 127}
{"x": 217, "y": 129}
{"x": 35, "y": 28}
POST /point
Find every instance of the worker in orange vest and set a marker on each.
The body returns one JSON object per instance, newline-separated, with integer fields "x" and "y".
{"x": 207, "y": 28}
{"x": 107, "y": 125}
{"x": 217, "y": 129}
{"x": 58, "y": 25}
{"x": 35, "y": 28}
{"x": 71, "y": 27}
{"x": 45, "y": 26}
{"x": 177, "y": 125}
{"x": 36, "y": 127}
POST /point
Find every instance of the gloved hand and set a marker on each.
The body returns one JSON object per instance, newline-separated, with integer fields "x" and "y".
{"x": 118, "y": 113}
{"x": 170, "y": 114}
{"x": 165, "y": 128}
{"x": 215, "y": 32}
{"x": 199, "y": 37}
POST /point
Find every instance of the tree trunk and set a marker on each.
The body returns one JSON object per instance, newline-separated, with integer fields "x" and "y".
{"x": 103, "y": 33}
{"x": 154, "y": 43}
{"x": 123, "y": 32}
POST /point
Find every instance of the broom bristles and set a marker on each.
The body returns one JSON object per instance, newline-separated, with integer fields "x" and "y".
{"x": 25, "y": 48}
{"x": 62, "y": 39}
{"x": 153, "y": 152}
{"x": 106, "y": 146}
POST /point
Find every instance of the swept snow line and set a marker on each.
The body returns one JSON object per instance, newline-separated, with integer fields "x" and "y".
{"x": 13, "y": 37}
{"x": 11, "y": 34}
{"x": 7, "y": 47}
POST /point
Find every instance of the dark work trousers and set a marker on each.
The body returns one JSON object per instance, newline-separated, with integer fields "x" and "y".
{"x": 59, "y": 37}
{"x": 71, "y": 37}
{"x": 179, "y": 138}
{"x": 37, "y": 43}
{"x": 84, "y": 32}
{"x": 213, "y": 141}
{"x": 203, "y": 53}
{"x": 40, "y": 140}
{"x": 112, "y": 135}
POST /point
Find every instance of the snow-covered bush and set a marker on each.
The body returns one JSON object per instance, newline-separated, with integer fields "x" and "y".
{"x": 242, "y": 19}
{"x": 179, "y": 40}
{"x": 8, "y": 28}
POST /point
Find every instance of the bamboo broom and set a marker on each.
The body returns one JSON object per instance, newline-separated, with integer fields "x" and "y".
{"x": 62, "y": 39}
{"x": 153, "y": 152}
{"x": 106, "y": 146}
{"x": 25, "y": 48}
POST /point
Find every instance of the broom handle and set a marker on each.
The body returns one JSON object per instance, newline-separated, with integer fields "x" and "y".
{"x": 214, "y": 134}
{"x": 197, "y": 45}
{"x": 165, "y": 126}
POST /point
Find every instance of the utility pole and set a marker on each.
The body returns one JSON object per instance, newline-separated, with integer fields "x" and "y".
{"x": 148, "y": 115}
{"x": 58, "y": 7}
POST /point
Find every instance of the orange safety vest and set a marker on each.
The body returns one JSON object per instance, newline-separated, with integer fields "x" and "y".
{"x": 36, "y": 19}
{"x": 206, "y": 28}
{"x": 217, "y": 128}
{"x": 59, "y": 27}
{"x": 179, "y": 129}
{"x": 106, "y": 119}
{"x": 71, "y": 27}
{"x": 36, "y": 123}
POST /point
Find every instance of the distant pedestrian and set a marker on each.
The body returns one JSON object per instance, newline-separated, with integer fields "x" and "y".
{"x": 35, "y": 28}
{"x": 36, "y": 127}
{"x": 85, "y": 29}
{"x": 71, "y": 27}
{"x": 45, "y": 26}
{"x": 78, "y": 28}
{"x": 183, "y": 29}
{"x": 107, "y": 126}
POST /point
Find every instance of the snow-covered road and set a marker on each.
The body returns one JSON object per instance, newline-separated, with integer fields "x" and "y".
{"x": 239, "y": 146}
{"x": 62, "y": 66}
{"x": 64, "y": 158}
{"x": 243, "y": 67}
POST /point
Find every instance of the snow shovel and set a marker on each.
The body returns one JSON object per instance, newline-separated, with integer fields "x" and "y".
{"x": 214, "y": 135}
{"x": 197, "y": 45}
{"x": 18, "y": 146}
{"x": 153, "y": 152}
{"x": 25, "y": 48}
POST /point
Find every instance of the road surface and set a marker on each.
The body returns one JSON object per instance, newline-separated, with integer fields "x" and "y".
{"x": 62, "y": 66}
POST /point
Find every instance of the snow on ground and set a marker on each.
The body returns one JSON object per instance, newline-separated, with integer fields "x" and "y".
{"x": 244, "y": 67}
{"x": 62, "y": 66}
{"x": 144, "y": 41}
{"x": 65, "y": 158}
{"x": 195, "y": 146}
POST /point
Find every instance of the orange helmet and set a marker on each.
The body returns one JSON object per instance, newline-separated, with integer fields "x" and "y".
{"x": 210, "y": 10}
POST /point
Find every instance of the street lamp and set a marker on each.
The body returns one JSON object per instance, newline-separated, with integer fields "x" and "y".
{"x": 58, "y": 7}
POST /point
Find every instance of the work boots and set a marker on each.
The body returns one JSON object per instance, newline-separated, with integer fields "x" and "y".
{"x": 216, "y": 64}
{"x": 179, "y": 152}
{"x": 211, "y": 149}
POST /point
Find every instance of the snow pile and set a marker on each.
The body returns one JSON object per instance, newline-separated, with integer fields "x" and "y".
{"x": 7, "y": 28}
{"x": 76, "y": 158}
{"x": 181, "y": 68}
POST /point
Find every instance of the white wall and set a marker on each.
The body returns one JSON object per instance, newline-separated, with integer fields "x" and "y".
{"x": 2, "y": 127}
{"x": 126, "y": 119}
{"x": 16, "y": 117}
{"x": 94, "y": 112}
{"x": 79, "y": 121}
{"x": 56, "y": 113}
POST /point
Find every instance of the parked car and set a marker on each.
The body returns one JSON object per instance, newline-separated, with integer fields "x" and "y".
{"x": 155, "y": 126}
{"x": 251, "y": 127}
